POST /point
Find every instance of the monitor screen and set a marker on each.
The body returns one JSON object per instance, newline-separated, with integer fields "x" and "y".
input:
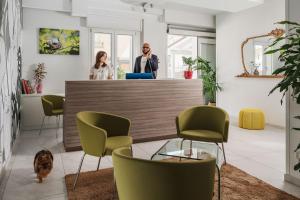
{"x": 139, "y": 76}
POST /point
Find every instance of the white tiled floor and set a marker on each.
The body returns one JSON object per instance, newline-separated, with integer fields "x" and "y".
{"x": 260, "y": 153}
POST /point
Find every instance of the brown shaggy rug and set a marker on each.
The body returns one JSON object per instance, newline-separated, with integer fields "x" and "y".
{"x": 236, "y": 185}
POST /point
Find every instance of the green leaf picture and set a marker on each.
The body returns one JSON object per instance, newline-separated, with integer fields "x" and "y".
{"x": 59, "y": 41}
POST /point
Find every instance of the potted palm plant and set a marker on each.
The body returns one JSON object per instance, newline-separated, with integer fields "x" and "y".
{"x": 188, "y": 73}
{"x": 290, "y": 56}
{"x": 210, "y": 85}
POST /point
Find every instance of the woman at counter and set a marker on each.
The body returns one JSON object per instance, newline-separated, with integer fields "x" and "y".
{"x": 101, "y": 70}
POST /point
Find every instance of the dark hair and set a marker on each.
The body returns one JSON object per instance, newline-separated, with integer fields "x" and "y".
{"x": 99, "y": 55}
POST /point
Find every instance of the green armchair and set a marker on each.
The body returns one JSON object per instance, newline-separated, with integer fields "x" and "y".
{"x": 203, "y": 123}
{"x": 100, "y": 134}
{"x": 138, "y": 179}
{"x": 52, "y": 106}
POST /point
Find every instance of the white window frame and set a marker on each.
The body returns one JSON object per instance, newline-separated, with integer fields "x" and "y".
{"x": 202, "y": 37}
{"x": 135, "y": 45}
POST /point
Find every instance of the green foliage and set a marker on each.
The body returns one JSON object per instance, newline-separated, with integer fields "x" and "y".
{"x": 290, "y": 55}
{"x": 208, "y": 73}
{"x": 59, "y": 41}
{"x": 121, "y": 73}
{"x": 39, "y": 73}
{"x": 189, "y": 62}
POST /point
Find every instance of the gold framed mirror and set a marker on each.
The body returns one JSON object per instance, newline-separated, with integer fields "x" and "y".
{"x": 255, "y": 63}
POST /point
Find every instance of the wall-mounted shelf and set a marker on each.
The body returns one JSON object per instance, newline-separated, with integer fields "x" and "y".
{"x": 258, "y": 76}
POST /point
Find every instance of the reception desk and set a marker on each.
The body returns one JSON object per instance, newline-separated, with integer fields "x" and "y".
{"x": 151, "y": 105}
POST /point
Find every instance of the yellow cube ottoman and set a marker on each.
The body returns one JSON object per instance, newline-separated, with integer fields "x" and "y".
{"x": 251, "y": 118}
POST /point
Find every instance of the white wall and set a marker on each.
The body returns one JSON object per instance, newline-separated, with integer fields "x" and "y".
{"x": 190, "y": 18}
{"x": 59, "y": 67}
{"x": 55, "y": 5}
{"x": 10, "y": 42}
{"x": 114, "y": 15}
{"x": 155, "y": 33}
{"x": 232, "y": 30}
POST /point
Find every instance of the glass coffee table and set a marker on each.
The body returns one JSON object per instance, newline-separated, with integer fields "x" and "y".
{"x": 195, "y": 150}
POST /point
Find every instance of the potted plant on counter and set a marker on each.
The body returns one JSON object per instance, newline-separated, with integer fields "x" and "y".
{"x": 39, "y": 75}
{"x": 208, "y": 75}
{"x": 188, "y": 73}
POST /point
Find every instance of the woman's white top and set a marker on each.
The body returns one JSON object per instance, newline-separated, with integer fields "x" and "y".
{"x": 102, "y": 73}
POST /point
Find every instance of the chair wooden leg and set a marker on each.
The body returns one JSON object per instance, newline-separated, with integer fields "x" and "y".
{"x": 99, "y": 163}
{"x": 191, "y": 147}
{"x": 131, "y": 150}
{"x": 57, "y": 124}
{"x": 78, "y": 172}
{"x": 42, "y": 125}
{"x": 224, "y": 153}
{"x": 181, "y": 144}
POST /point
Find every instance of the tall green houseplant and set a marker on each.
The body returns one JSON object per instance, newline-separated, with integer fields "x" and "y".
{"x": 290, "y": 56}
{"x": 209, "y": 80}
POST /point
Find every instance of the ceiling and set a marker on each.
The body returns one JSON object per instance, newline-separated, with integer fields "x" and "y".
{"x": 204, "y": 6}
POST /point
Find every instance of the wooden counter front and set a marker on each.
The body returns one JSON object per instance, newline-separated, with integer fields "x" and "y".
{"x": 151, "y": 105}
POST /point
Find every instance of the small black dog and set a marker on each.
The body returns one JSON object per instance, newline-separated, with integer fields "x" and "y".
{"x": 43, "y": 164}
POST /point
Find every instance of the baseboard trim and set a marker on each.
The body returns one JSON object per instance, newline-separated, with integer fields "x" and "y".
{"x": 235, "y": 121}
{"x": 291, "y": 179}
{"x": 6, "y": 168}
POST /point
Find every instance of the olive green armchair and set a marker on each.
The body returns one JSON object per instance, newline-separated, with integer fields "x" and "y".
{"x": 52, "y": 107}
{"x": 203, "y": 123}
{"x": 100, "y": 134}
{"x": 138, "y": 179}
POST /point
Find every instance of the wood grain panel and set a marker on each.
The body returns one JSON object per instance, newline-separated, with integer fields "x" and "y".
{"x": 151, "y": 105}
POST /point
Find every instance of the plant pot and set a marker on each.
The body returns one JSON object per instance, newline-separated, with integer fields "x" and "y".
{"x": 39, "y": 88}
{"x": 211, "y": 103}
{"x": 188, "y": 74}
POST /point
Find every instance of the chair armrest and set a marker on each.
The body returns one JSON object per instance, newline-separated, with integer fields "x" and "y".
{"x": 226, "y": 128}
{"x": 92, "y": 138}
{"x": 125, "y": 151}
{"x": 47, "y": 107}
{"x": 183, "y": 121}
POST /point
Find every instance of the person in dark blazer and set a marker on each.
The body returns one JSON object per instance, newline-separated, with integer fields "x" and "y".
{"x": 146, "y": 63}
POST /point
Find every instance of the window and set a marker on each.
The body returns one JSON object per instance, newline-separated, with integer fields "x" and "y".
{"x": 119, "y": 49}
{"x": 263, "y": 63}
{"x": 179, "y": 46}
{"x": 124, "y": 55}
{"x": 188, "y": 43}
{"x": 102, "y": 42}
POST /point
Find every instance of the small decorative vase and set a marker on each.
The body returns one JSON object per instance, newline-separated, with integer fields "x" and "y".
{"x": 39, "y": 87}
{"x": 188, "y": 74}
